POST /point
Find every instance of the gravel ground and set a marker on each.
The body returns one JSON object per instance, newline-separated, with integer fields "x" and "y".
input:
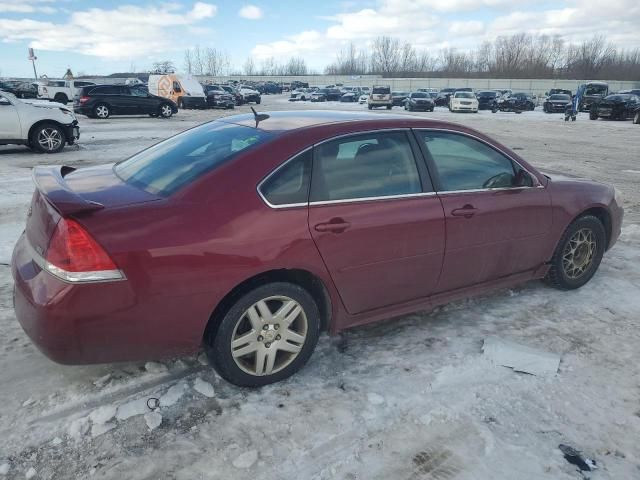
{"x": 413, "y": 398}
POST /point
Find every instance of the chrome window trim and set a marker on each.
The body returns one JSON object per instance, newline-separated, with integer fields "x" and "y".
{"x": 484, "y": 142}
{"x": 374, "y": 199}
{"x": 73, "y": 277}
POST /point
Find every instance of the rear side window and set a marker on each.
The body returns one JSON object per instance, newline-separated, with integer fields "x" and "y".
{"x": 105, "y": 90}
{"x": 378, "y": 164}
{"x": 289, "y": 185}
{"x": 463, "y": 163}
{"x": 170, "y": 165}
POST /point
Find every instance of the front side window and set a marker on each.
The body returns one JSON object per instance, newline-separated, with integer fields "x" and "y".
{"x": 169, "y": 165}
{"x": 290, "y": 184}
{"x": 379, "y": 164}
{"x": 138, "y": 92}
{"x": 463, "y": 163}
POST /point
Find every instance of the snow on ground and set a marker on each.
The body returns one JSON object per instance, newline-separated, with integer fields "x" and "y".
{"x": 412, "y": 398}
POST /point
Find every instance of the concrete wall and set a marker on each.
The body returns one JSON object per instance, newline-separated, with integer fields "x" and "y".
{"x": 534, "y": 86}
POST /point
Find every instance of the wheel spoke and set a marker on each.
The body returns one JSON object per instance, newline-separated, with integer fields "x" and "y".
{"x": 294, "y": 337}
{"x": 270, "y": 361}
{"x": 289, "y": 347}
{"x": 254, "y": 318}
{"x": 265, "y": 313}
{"x": 246, "y": 350}
{"x": 245, "y": 339}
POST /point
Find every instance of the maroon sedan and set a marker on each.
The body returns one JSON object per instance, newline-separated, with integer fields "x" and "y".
{"x": 251, "y": 235}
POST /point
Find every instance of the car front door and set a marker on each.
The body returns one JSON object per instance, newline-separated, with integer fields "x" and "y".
{"x": 375, "y": 219}
{"x": 10, "y": 127}
{"x": 142, "y": 102}
{"x": 497, "y": 215}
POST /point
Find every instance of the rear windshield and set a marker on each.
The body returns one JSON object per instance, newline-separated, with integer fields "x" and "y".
{"x": 178, "y": 161}
{"x": 381, "y": 90}
{"x": 419, "y": 95}
{"x": 487, "y": 94}
{"x": 559, "y": 96}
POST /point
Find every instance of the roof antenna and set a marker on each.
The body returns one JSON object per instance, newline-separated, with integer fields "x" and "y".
{"x": 259, "y": 116}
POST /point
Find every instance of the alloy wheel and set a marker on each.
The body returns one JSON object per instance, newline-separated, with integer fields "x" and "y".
{"x": 269, "y": 335}
{"x": 102, "y": 111}
{"x": 166, "y": 111}
{"x": 579, "y": 252}
{"x": 50, "y": 139}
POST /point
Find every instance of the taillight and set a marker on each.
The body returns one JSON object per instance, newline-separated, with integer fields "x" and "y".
{"x": 84, "y": 99}
{"x": 73, "y": 255}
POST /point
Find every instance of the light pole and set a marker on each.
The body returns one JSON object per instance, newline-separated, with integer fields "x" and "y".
{"x": 33, "y": 59}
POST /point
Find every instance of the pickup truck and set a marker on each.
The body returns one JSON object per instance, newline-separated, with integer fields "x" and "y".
{"x": 61, "y": 91}
{"x": 45, "y": 127}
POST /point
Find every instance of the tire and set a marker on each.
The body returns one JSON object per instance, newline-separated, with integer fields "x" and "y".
{"x": 263, "y": 336}
{"x": 518, "y": 111}
{"x": 389, "y": 107}
{"x": 593, "y": 115}
{"x": 258, "y": 101}
{"x": 47, "y": 138}
{"x": 165, "y": 110}
{"x": 61, "y": 98}
{"x": 181, "y": 103}
{"x": 636, "y": 118}
{"x": 494, "y": 110}
{"x": 102, "y": 111}
{"x": 562, "y": 274}
{"x": 370, "y": 107}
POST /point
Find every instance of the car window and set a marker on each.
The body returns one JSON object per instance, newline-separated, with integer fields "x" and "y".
{"x": 463, "y": 163}
{"x": 289, "y": 184}
{"x": 106, "y": 90}
{"x": 378, "y": 164}
{"x": 169, "y": 165}
{"x": 137, "y": 92}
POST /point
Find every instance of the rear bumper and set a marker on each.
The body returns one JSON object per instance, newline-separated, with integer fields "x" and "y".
{"x": 223, "y": 103}
{"x": 93, "y": 322}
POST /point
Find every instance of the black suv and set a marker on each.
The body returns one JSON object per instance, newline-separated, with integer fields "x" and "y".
{"x": 102, "y": 101}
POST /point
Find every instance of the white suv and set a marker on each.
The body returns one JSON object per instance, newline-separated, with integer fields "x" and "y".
{"x": 462, "y": 101}
{"x": 44, "y": 126}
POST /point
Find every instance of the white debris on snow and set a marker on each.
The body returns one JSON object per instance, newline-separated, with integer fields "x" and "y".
{"x": 56, "y": 441}
{"x": 520, "y": 358}
{"x": 30, "y": 473}
{"x": 153, "y": 419}
{"x": 202, "y": 359}
{"x": 375, "y": 399}
{"x": 78, "y": 428}
{"x": 204, "y": 388}
{"x": 132, "y": 408}
{"x": 173, "y": 394}
{"x": 28, "y": 402}
{"x": 100, "y": 382}
{"x": 246, "y": 459}
{"x": 103, "y": 414}
{"x": 155, "y": 367}
{"x": 4, "y": 469}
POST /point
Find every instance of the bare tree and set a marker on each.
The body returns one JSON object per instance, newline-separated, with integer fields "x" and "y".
{"x": 385, "y": 56}
{"x": 216, "y": 62}
{"x": 198, "y": 61}
{"x": 249, "y": 66}
{"x": 188, "y": 61}
{"x": 163, "y": 67}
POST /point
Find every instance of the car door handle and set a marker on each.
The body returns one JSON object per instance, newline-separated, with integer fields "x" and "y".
{"x": 467, "y": 211}
{"x": 335, "y": 226}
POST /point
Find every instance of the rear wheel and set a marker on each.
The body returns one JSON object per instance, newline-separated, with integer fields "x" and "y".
{"x": 593, "y": 115}
{"x": 47, "y": 138}
{"x": 578, "y": 254}
{"x": 258, "y": 101}
{"x": 389, "y": 107}
{"x": 180, "y": 104}
{"x": 165, "y": 110}
{"x": 61, "y": 98}
{"x": 370, "y": 107}
{"x": 636, "y": 118}
{"x": 266, "y": 336}
{"x": 101, "y": 111}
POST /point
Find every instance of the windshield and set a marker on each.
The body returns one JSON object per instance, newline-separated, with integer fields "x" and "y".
{"x": 169, "y": 165}
{"x": 559, "y": 96}
{"x": 487, "y": 94}
{"x": 596, "y": 90}
{"x": 419, "y": 95}
{"x": 464, "y": 95}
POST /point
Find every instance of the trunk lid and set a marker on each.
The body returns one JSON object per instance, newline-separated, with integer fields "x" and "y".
{"x": 63, "y": 191}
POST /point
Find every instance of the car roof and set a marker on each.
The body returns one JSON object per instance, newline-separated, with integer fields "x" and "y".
{"x": 287, "y": 121}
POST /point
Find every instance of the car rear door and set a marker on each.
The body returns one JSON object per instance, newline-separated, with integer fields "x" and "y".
{"x": 375, "y": 219}
{"x": 498, "y": 217}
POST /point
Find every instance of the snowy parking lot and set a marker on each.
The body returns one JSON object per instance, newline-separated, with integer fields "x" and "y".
{"x": 412, "y": 398}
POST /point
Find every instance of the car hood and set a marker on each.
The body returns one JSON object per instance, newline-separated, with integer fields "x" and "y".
{"x": 558, "y": 177}
{"x": 45, "y": 104}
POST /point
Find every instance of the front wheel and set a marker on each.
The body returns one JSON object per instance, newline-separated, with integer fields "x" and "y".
{"x": 578, "y": 254}
{"x": 266, "y": 336}
{"x": 593, "y": 115}
{"x": 47, "y": 138}
{"x": 102, "y": 111}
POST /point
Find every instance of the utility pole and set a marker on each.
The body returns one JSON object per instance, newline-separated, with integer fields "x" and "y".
{"x": 33, "y": 59}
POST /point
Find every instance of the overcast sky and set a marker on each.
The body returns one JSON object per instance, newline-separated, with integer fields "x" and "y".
{"x": 98, "y": 37}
